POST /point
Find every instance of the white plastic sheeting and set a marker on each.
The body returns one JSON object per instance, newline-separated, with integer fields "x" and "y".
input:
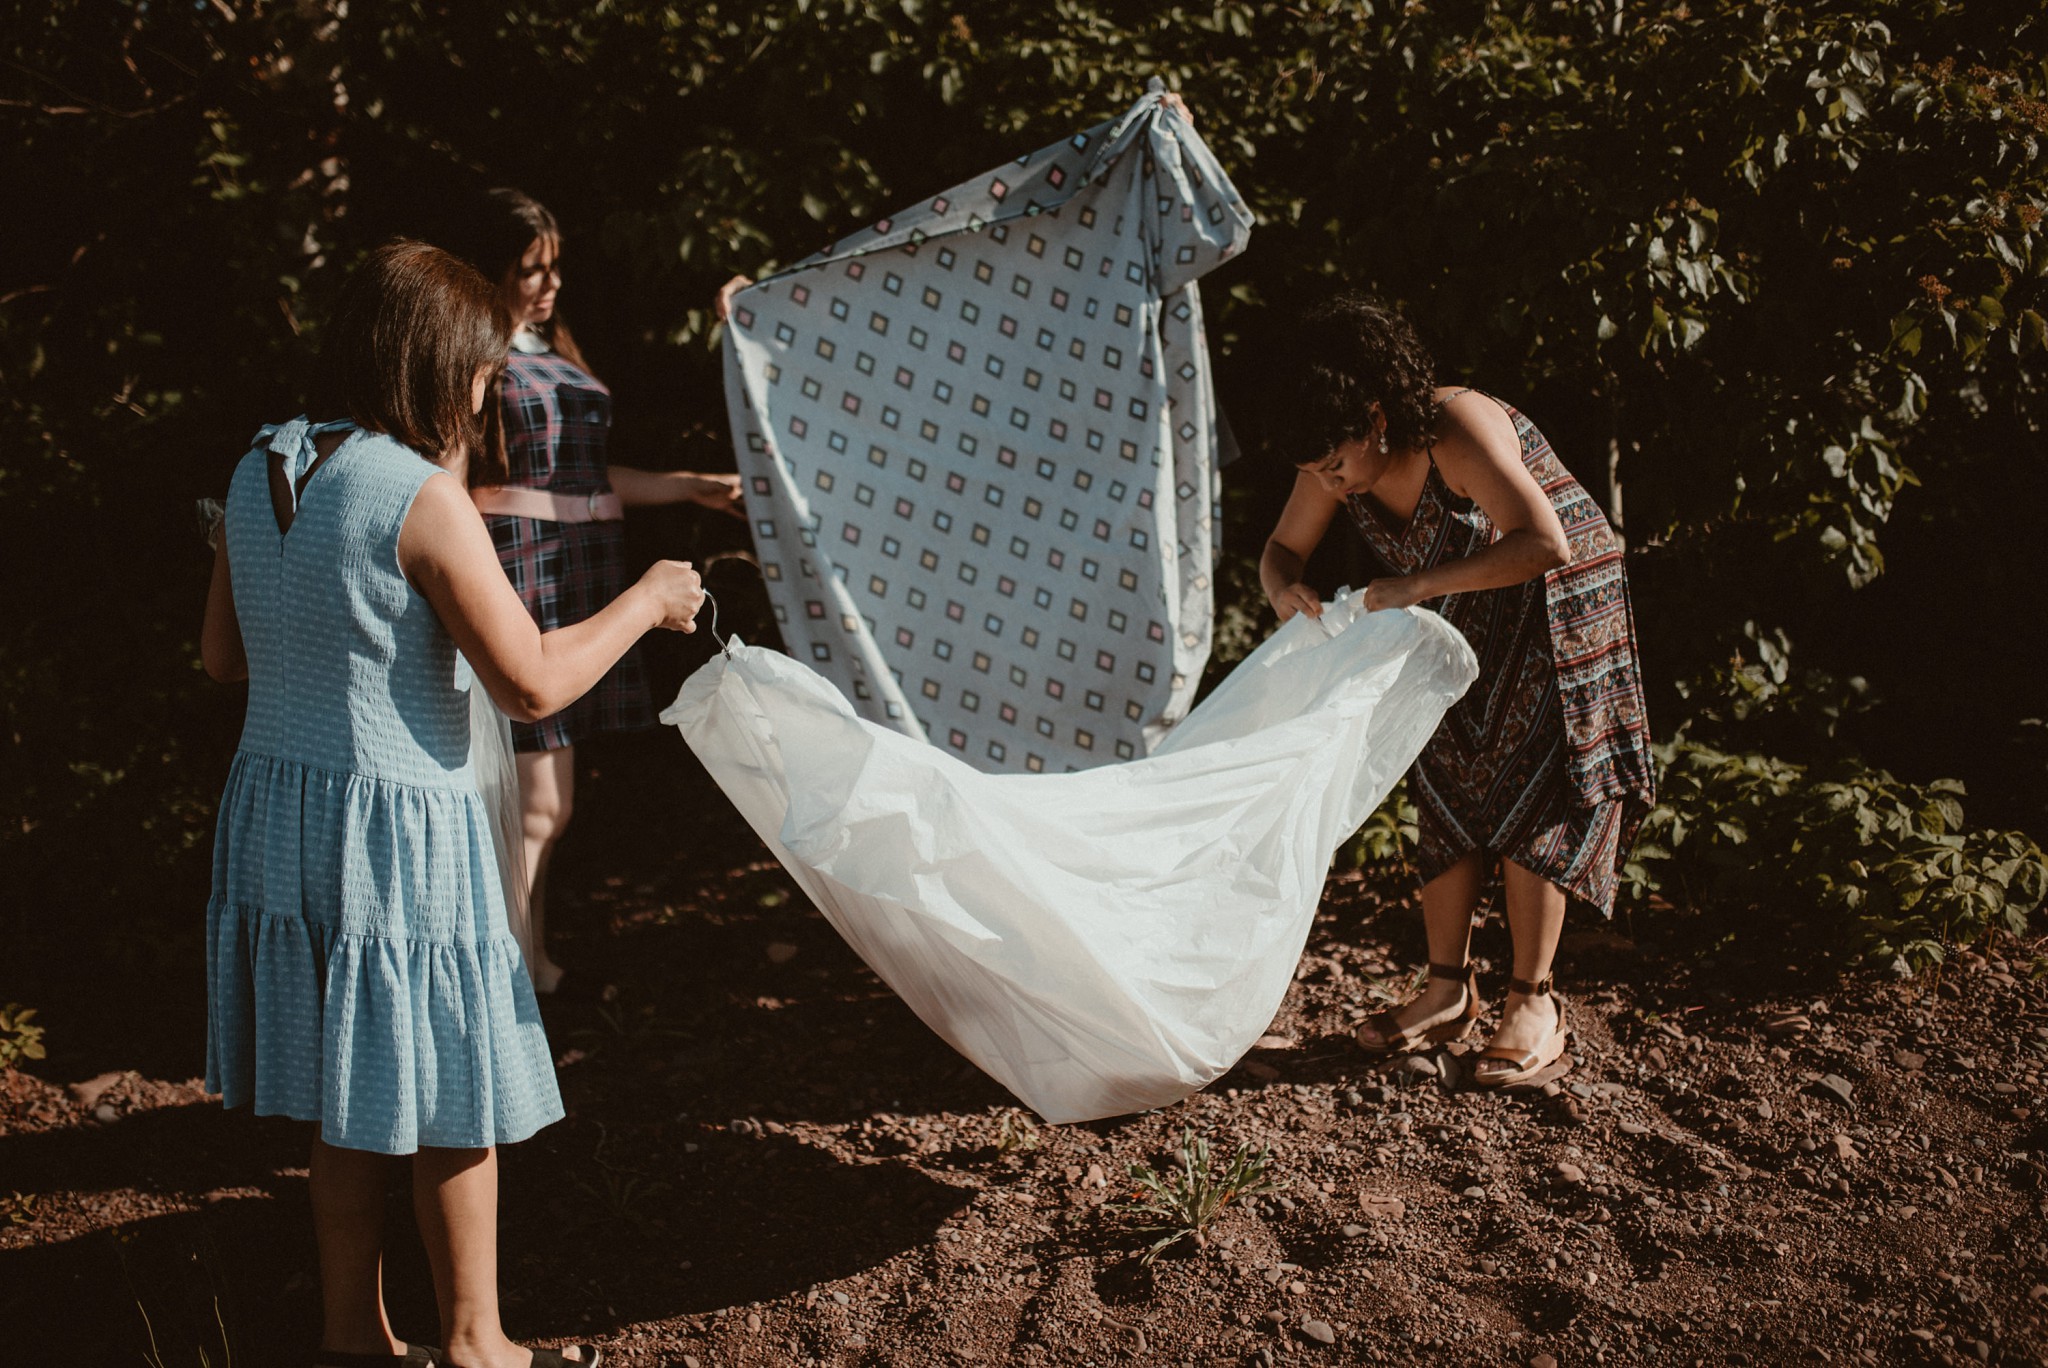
{"x": 1105, "y": 941}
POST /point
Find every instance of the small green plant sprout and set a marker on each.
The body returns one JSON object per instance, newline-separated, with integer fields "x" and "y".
{"x": 1016, "y": 1132}
{"x": 19, "y": 1039}
{"x": 19, "y": 1208}
{"x": 1184, "y": 1201}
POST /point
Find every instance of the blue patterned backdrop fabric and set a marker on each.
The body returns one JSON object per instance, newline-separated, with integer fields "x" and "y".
{"x": 979, "y": 442}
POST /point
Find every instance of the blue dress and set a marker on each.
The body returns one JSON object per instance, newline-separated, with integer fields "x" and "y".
{"x": 360, "y": 970}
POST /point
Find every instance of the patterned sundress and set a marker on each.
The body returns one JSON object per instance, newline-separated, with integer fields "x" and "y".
{"x": 1546, "y": 759}
{"x": 360, "y": 969}
{"x": 557, "y": 419}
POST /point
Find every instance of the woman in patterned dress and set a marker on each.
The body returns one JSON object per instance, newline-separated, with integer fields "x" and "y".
{"x": 1544, "y": 765}
{"x": 553, "y": 502}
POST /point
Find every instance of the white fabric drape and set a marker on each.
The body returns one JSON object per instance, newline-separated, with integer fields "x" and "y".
{"x": 1103, "y": 941}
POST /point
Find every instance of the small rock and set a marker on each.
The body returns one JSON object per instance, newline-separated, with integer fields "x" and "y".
{"x": 1474, "y": 1191}
{"x": 1298, "y": 1287}
{"x": 1319, "y": 1331}
{"x": 690, "y": 1361}
{"x": 1353, "y": 1230}
{"x": 1489, "y": 1267}
{"x": 753, "y": 1323}
{"x": 1260, "y": 1070}
{"x": 1414, "y": 1066}
{"x": 1764, "y": 1110}
{"x": 1785, "y": 1024}
{"x": 1273, "y": 1042}
{"x": 782, "y": 952}
{"x": 89, "y": 1092}
{"x": 105, "y": 1112}
{"x": 1543, "y": 1361}
{"x": 841, "y": 1298}
{"x": 1912, "y": 1061}
{"x": 1096, "y": 1178}
{"x": 1382, "y": 1207}
{"x": 1837, "y": 1088}
{"x": 1568, "y": 1172}
{"x": 1634, "y": 1128}
{"x": 1845, "y": 1148}
{"x": 1658, "y": 1059}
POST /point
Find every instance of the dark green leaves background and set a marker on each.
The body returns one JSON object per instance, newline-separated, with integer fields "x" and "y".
{"x": 1777, "y": 268}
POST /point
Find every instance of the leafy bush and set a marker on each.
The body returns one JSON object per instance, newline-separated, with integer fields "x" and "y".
{"x": 18, "y": 1039}
{"x": 1891, "y": 861}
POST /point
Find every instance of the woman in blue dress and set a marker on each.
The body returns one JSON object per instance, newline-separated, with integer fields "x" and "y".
{"x": 361, "y": 970}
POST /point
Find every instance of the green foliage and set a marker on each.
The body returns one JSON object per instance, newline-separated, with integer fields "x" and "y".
{"x": 1782, "y": 262}
{"x": 1891, "y": 862}
{"x": 1181, "y": 1203}
{"x": 19, "y": 1038}
{"x": 1388, "y": 835}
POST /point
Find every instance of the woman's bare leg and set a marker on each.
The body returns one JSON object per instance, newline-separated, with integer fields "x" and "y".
{"x": 347, "y": 1189}
{"x": 1448, "y": 902}
{"x": 547, "y": 789}
{"x": 1535, "y": 919}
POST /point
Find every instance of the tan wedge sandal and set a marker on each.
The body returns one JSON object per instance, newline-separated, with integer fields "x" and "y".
{"x": 1393, "y": 1038}
{"x": 1527, "y": 1067}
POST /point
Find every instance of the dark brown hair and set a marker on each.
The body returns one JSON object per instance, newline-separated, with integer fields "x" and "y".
{"x": 494, "y": 238}
{"x": 413, "y": 328}
{"x": 1345, "y": 354}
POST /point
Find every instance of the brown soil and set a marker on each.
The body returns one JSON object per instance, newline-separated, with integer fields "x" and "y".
{"x": 768, "y": 1160}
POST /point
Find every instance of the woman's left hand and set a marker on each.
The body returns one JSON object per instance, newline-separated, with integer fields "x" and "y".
{"x": 1399, "y": 592}
{"x": 721, "y": 492}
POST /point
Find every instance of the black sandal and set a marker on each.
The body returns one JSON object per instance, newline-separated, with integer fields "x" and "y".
{"x": 415, "y": 1356}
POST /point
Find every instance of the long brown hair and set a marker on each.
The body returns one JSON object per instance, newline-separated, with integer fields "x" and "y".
{"x": 413, "y": 327}
{"x": 504, "y": 224}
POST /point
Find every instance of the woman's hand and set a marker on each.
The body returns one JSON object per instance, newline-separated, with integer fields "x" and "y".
{"x": 1399, "y": 592}
{"x": 1296, "y": 598}
{"x": 1174, "y": 102}
{"x": 677, "y": 592}
{"x": 722, "y": 306}
{"x": 721, "y": 492}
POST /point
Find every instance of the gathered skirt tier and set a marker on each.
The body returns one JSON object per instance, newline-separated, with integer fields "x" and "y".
{"x": 360, "y": 970}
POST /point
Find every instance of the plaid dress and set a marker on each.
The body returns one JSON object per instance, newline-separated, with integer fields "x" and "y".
{"x": 1546, "y": 759}
{"x": 557, "y": 418}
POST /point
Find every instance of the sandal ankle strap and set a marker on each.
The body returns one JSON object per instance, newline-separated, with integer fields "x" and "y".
{"x": 1456, "y": 972}
{"x": 1539, "y": 988}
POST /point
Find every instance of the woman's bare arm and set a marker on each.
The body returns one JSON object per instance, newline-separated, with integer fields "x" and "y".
{"x": 447, "y": 553}
{"x": 1480, "y": 458}
{"x": 1295, "y": 538}
{"x": 648, "y": 488}
{"x": 220, "y": 636}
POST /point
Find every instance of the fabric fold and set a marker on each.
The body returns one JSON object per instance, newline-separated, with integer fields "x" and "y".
{"x": 1107, "y": 940}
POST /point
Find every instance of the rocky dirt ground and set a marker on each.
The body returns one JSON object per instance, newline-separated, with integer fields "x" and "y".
{"x": 1762, "y": 1157}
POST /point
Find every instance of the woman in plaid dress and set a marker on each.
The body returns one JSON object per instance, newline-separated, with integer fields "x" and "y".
{"x": 553, "y": 502}
{"x": 1544, "y": 765}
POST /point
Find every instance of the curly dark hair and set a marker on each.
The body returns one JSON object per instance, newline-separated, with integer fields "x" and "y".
{"x": 1345, "y": 354}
